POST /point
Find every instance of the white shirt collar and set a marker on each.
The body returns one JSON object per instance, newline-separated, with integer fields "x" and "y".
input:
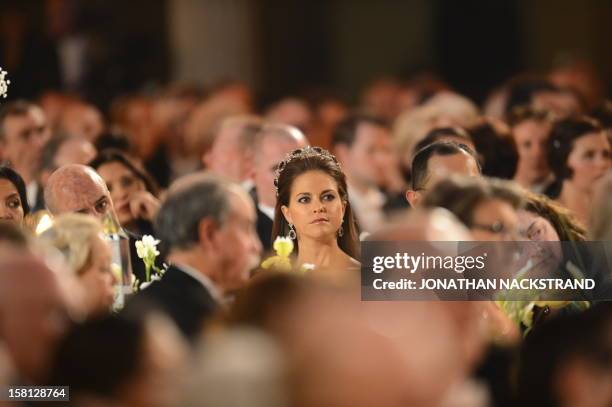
{"x": 203, "y": 279}
{"x": 32, "y": 191}
{"x": 367, "y": 207}
{"x": 247, "y": 184}
{"x": 267, "y": 210}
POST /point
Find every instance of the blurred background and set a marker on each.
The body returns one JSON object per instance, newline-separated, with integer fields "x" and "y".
{"x": 102, "y": 48}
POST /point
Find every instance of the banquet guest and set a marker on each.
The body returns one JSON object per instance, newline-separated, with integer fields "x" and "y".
{"x": 487, "y": 206}
{"x": 208, "y": 226}
{"x": 81, "y": 120}
{"x": 231, "y": 153}
{"x": 13, "y": 201}
{"x": 436, "y": 162}
{"x": 362, "y": 144}
{"x": 132, "y": 190}
{"x": 496, "y": 148}
{"x": 579, "y": 155}
{"x": 314, "y": 210}
{"x": 531, "y": 129}
{"x": 545, "y": 220}
{"x": 23, "y": 133}
{"x": 88, "y": 256}
{"x": 78, "y": 188}
{"x": 274, "y": 142}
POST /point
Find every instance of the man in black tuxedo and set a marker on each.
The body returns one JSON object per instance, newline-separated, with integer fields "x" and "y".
{"x": 208, "y": 226}
{"x": 272, "y": 145}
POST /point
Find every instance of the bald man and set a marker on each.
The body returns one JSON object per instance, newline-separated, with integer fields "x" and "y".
{"x": 78, "y": 188}
{"x": 272, "y": 145}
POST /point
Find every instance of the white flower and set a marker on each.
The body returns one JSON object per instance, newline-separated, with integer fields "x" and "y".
{"x": 147, "y": 247}
{"x": 3, "y": 83}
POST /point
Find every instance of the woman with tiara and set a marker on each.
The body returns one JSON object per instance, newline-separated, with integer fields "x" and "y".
{"x": 313, "y": 209}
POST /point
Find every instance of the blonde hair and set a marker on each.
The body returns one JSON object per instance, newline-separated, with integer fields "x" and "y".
{"x": 72, "y": 234}
{"x": 443, "y": 110}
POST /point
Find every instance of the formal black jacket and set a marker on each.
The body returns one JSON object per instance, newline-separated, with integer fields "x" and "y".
{"x": 264, "y": 230}
{"x": 181, "y": 297}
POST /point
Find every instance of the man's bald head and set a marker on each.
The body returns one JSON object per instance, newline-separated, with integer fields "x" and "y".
{"x": 77, "y": 188}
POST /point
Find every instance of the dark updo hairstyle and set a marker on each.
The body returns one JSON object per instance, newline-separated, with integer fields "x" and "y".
{"x": 14, "y": 178}
{"x": 299, "y": 162}
{"x": 496, "y": 150}
{"x": 113, "y": 155}
{"x": 103, "y": 373}
{"x": 561, "y": 142}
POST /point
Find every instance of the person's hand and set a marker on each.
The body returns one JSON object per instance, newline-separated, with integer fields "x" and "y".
{"x": 144, "y": 205}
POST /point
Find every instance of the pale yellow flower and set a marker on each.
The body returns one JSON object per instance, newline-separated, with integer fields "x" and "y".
{"x": 283, "y": 246}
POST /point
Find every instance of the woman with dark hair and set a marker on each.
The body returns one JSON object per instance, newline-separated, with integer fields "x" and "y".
{"x": 134, "y": 195}
{"x": 133, "y": 191}
{"x": 13, "y": 201}
{"x": 579, "y": 155}
{"x": 313, "y": 209}
{"x": 496, "y": 149}
{"x": 546, "y": 220}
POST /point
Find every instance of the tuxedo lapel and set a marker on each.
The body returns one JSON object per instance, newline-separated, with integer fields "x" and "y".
{"x": 264, "y": 230}
{"x": 183, "y": 298}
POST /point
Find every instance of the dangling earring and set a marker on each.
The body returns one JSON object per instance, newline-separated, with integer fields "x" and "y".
{"x": 341, "y": 231}
{"x": 292, "y": 234}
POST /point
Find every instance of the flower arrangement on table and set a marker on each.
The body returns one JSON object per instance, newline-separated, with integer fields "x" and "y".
{"x": 283, "y": 246}
{"x": 146, "y": 249}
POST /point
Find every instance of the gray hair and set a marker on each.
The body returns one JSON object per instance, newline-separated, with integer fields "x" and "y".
{"x": 191, "y": 199}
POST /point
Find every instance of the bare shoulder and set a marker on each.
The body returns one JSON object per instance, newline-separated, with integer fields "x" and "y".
{"x": 353, "y": 263}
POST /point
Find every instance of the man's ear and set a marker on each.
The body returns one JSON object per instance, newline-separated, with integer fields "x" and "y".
{"x": 207, "y": 229}
{"x": 413, "y": 198}
{"x": 286, "y": 214}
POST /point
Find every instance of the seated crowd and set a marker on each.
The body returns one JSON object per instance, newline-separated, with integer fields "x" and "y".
{"x": 217, "y": 182}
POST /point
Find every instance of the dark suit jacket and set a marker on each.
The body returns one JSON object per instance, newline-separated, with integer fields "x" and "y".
{"x": 183, "y": 298}
{"x": 264, "y": 230}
